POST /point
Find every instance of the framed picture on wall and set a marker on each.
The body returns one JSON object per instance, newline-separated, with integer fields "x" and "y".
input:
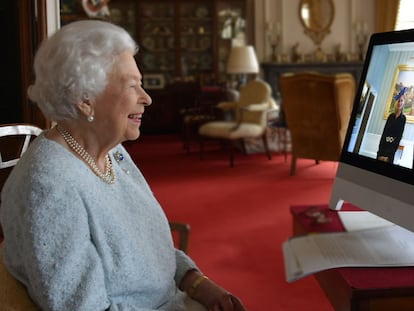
{"x": 153, "y": 81}
{"x": 403, "y": 77}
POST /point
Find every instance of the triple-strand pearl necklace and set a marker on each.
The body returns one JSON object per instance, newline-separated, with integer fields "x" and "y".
{"x": 108, "y": 176}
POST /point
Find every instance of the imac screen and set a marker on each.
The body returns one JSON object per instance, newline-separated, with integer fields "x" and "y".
{"x": 375, "y": 171}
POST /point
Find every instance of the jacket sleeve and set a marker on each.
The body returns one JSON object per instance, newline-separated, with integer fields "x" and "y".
{"x": 184, "y": 264}
{"x": 60, "y": 267}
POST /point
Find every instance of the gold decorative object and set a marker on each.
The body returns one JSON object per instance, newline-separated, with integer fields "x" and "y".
{"x": 273, "y": 35}
{"x": 316, "y": 17}
{"x": 361, "y": 36}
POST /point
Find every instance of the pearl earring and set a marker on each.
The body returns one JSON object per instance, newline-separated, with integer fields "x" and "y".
{"x": 91, "y": 118}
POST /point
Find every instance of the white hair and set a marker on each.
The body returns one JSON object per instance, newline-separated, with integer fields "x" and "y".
{"x": 73, "y": 65}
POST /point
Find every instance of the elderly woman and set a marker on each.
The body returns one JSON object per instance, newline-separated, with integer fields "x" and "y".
{"x": 82, "y": 228}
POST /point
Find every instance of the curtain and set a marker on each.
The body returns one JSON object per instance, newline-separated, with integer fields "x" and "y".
{"x": 386, "y": 14}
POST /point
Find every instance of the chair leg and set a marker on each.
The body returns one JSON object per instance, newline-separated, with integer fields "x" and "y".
{"x": 186, "y": 137}
{"x": 282, "y": 140}
{"x": 285, "y": 142}
{"x": 293, "y": 166}
{"x": 243, "y": 146}
{"x": 266, "y": 146}
{"x": 190, "y": 134}
{"x": 232, "y": 146}
{"x": 201, "y": 147}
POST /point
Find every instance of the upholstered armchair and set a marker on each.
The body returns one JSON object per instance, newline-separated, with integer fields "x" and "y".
{"x": 317, "y": 109}
{"x": 250, "y": 118}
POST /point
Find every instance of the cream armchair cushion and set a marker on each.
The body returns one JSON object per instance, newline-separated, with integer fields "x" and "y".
{"x": 255, "y": 92}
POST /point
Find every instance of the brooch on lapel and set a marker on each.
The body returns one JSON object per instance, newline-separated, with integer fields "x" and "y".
{"x": 119, "y": 157}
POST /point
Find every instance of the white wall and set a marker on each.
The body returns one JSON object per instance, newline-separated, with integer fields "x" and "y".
{"x": 286, "y": 12}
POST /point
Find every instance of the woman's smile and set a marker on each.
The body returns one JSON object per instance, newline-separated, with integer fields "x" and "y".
{"x": 135, "y": 117}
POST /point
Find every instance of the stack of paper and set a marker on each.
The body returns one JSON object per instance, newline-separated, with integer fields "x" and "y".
{"x": 362, "y": 220}
{"x": 384, "y": 246}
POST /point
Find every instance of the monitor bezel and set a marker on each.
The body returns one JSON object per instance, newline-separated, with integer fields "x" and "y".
{"x": 399, "y": 173}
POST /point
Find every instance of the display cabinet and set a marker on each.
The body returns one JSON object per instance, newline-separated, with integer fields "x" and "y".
{"x": 183, "y": 39}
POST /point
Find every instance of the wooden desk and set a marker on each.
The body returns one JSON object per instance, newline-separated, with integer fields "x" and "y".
{"x": 358, "y": 289}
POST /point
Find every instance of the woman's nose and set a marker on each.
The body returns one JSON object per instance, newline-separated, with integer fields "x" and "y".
{"x": 147, "y": 100}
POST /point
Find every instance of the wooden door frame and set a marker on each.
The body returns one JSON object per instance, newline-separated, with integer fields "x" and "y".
{"x": 33, "y": 30}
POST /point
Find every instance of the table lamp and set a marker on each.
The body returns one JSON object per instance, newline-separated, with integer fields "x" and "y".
{"x": 242, "y": 61}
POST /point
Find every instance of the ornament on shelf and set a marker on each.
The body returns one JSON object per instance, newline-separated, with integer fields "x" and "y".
{"x": 233, "y": 25}
{"x": 296, "y": 56}
{"x": 361, "y": 36}
{"x": 273, "y": 35}
{"x": 96, "y": 8}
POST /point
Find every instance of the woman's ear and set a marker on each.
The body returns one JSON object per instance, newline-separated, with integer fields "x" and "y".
{"x": 85, "y": 107}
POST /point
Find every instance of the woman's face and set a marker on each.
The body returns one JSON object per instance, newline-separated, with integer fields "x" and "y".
{"x": 118, "y": 110}
{"x": 400, "y": 104}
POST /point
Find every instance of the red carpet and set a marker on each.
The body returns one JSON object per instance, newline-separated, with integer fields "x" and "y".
{"x": 239, "y": 216}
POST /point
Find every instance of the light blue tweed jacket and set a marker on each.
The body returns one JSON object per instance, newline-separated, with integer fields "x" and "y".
{"x": 78, "y": 243}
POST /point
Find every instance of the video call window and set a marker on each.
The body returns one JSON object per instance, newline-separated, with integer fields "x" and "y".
{"x": 387, "y": 92}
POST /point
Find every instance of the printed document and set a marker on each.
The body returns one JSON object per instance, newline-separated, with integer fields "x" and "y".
{"x": 385, "y": 246}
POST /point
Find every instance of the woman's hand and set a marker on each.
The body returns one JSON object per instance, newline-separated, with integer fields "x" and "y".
{"x": 208, "y": 293}
{"x": 215, "y": 298}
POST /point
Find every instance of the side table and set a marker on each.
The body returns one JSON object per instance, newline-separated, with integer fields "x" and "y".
{"x": 356, "y": 289}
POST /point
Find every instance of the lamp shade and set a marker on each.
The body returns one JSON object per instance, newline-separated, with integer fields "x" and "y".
{"x": 242, "y": 59}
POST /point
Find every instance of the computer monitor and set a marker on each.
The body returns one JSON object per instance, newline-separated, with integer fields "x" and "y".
{"x": 364, "y": 178}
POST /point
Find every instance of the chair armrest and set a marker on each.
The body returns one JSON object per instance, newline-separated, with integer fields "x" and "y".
{"x": 256, "y": 107}
{"x": 271, "y": 113}
{"x": 227, "y": 105}
{"x": 183, "y": 231}
{"x": 253, "y": 113}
